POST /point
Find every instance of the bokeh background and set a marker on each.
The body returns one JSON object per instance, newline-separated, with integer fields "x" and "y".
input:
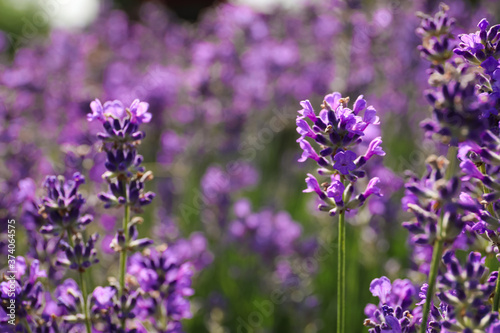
{"x": 224, "y": 81}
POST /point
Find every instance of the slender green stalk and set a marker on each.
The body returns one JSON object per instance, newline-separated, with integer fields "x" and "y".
{"x": 437, "y": 251}
{"x": 486, "y": 190}
{"x": 27, "y": 325}
{"x": 341, "y": 275}
{"x": 436, "y": 256}
{"x": 123, "y": 253}
{"x": 83, "y": 287}
{"x": 83, "y": 284}
{"x": 496, "y": 299}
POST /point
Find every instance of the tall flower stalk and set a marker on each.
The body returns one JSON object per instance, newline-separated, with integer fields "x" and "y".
{"x": 338, "y": 132}
{"x": 125, "y": 175}
{"x": 123, "y": 254}
{"x": 341, "y": 286}
{"x": 482, "y": 48}
{"x": 464, "y": 104}
{"x": 61, "y": 209}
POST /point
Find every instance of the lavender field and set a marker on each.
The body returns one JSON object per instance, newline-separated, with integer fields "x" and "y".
{"x": 322, "y": 166}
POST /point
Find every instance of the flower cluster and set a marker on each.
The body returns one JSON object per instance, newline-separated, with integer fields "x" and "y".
{"x": 462, "y": 105}
{"x": 436, "y": 35}
{"x": 61, "y": 207}
{"x": 166, "y": 284}
{"x": 431, "y": 198}
{"x": 464, "y": 293}
{"x": 393, "y": 314}
{"x": 125, "y": 175}
{"x": 81, "y": 255}
{"x": 22, "y": 294}
{"x": 338, "y": 130}
{"x": 481, "y": 47}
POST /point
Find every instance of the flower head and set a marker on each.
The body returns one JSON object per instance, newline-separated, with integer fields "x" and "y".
{"x": 337, "y": 131}
{"x": 61, "y": 207}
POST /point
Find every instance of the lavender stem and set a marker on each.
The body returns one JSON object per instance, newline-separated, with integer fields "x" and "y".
{"x": 83, "y": 287}
{"x": 496, "y": 299}
{"x": 437, "y": 251}
{"x": 436, "y": 256}
{"x": 341, "y": 275}
{"x": 85, "y": 305}
{"x": 27, "y": 325}
{"x": 123, "y": 253}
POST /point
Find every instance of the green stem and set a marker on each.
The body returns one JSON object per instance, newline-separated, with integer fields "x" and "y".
{"x": 436, "y": 256}
{"x": 83, "y": 284}
{"x": 486, "y": 190}
{"x": 83, "y": 288}
{"x": 341, "y": 275}
{"x": 123, "y": 253}
{"x": 437, "y": 251}
{"x": 27, "y": 325}
{"x": 496, "y": 299}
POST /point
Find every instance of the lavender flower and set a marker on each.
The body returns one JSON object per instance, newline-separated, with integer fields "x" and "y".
{"x": 338, "y": 131}
{"x": 62, "y": 210}
{"x": 464, "y": 293}
{"x": 132, "y": 244}
{"x": 157, "y": 278}
{"x": 125, "y": 176}
{"x": 461, "y": 111}
{"x": 436, "y": 35}
{"x": 68, "y": 296}
{"x": 81, "y": 255}
{"x": 431, "y": 197}
{"x": 61, "y": 207}
{"x": 166, "y": 283}
{"x": 480, "y": 46}
{"x": 26, "y": 290}
{"x": 393, "y": 314}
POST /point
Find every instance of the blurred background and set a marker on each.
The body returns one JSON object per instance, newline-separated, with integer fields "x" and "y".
{"x": 224, "y": 80}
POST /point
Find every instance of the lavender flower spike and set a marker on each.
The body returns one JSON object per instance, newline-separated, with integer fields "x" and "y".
{"x": 337, "y": 132}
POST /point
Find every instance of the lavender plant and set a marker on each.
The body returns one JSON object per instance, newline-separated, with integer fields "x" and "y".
{"x": 464, "y": 294}
{"x": 394, "y": 313}
{"x": 338, "y": 130}
{"x": 162, "y": 281}
{"x": 61, "y": 210}
{"x": 27, "y": 290}
{"x": 447, "y": 213}
{"x": 125, "y": 175}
